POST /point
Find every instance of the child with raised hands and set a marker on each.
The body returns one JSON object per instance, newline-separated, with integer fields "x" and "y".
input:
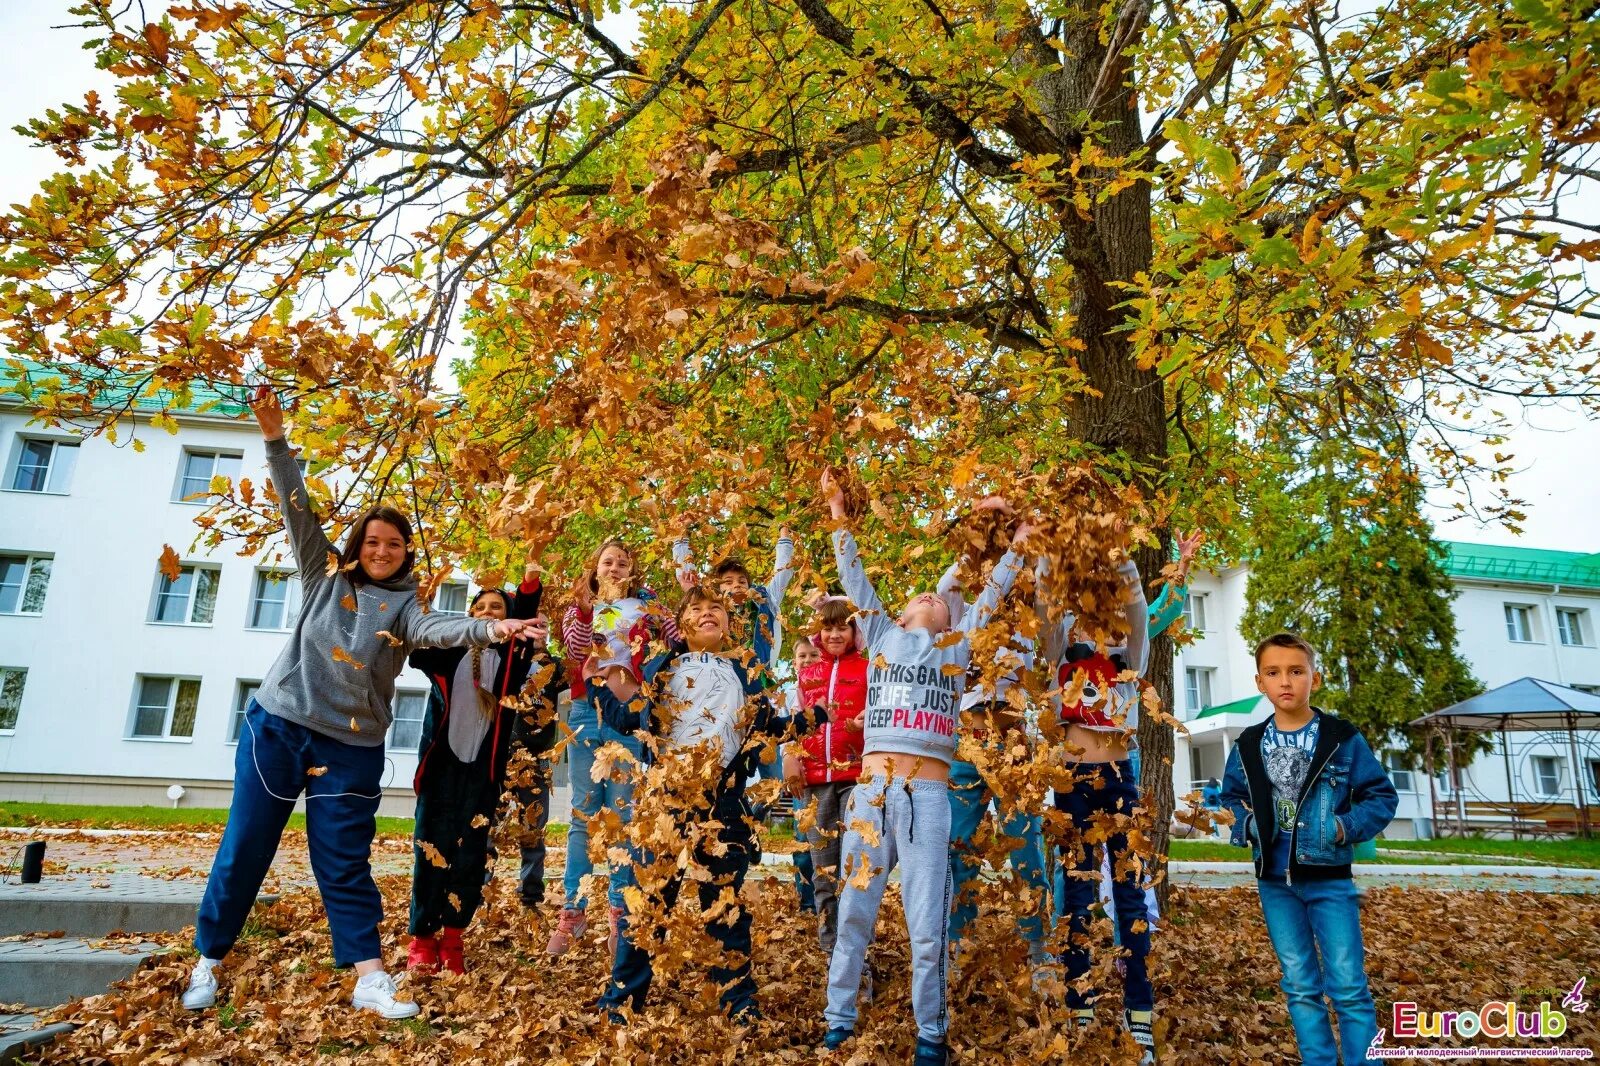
{"x": 756, "y": 609}
{"x": 466, "y": 743}
{"x": 1096, "y": 697}
{"x": 899, "y": 810}
{"x": 609, "y": 627}
{"x": 705, "y": 717}
{"x": 317, "y": 724}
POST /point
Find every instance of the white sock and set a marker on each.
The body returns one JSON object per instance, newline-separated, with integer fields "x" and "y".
{"x": 367, "y": 979}
{"x": 210, "y": 964}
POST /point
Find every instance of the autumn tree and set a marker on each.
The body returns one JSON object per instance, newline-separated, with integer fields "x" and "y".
{"x": 1344, "y": 557}
{"x": 697, "y": 252}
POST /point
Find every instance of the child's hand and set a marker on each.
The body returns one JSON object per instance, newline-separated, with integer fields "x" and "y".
{"x": 794, "y": 775}
{"x": 538, "y": 630}
{"x": 688, "y": 578}
{"x": 993, "y": 503}
{"x": 1187, "y": 547}
{"x": 583, "y": 595}
{"x": 530, "y": 573}
{"x": 591, "y": 668}
{"x": 1024, "y": 530}
{"x": 813, "y": 598}
{"x": 833, "y": 492}
{"x": 268, "y": 411}
{"x": 506, "y": 628}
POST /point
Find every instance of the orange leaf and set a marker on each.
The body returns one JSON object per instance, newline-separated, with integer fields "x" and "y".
{"x": 342, "y": 656}
{"x": 414, "y": 83}
{"x": 170, "y": 567}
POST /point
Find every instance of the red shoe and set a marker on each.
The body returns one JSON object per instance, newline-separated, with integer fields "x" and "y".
{"x": 451, "y": 955}
{"x": 423, "y": 958}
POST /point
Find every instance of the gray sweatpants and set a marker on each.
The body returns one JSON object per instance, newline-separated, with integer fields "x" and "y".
{"x": 905, "y": 822}
{"x": 826, "y": 838}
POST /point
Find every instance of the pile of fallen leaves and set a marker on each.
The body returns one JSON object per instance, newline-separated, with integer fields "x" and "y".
{"x": 1213, "y": 969}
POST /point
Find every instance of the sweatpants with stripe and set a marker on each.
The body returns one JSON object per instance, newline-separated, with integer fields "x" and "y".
{"x": 903, "y": 822}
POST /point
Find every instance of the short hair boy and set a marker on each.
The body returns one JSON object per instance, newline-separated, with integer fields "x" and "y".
{"x": 1304, "y": 788}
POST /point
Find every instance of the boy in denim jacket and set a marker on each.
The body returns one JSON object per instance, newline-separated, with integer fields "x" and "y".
{"x": 1304, "y": 788}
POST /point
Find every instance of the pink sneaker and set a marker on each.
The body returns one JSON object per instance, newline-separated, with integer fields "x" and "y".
{"x": 570, "y": 928}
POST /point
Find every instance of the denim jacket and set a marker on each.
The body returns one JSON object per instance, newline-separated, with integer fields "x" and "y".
{"x": 1347, "y": 787}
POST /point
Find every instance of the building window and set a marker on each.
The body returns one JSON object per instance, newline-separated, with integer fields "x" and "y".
{"x": 1593, "y": 690}
{"x": 241, "y": 703}
{"x": 1547, "y": 775}
{"x": 275, "y": 604}
{"x": 23, "y": 581}
{"x": 12, "y": 679}
{"x": 1399, "y": 769}
{"x": 1519, "y": 623}
{"x": 166, "y": 708}
{"x": 1572, "y": 626}
{"x": 1194, "y": 612}
{"x": 191, "y": 600}
{"x": 451, "y": 598}
{"x": 1197, "y": 686}
{"x": 44, "y": 465}
{"x": 196, "y": 470}
{"x": 405, "y": 732}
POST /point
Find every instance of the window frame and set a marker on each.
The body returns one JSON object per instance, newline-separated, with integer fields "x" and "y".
{"x": 1527, "y": 615}
{"x": 292, "y": 593}
{"x": 207, "y": 498}
{"x": 466, "y": 600}
{"x": 1189, "y": 600}
{"x": 1394, "y": 764}
{"x": 1539, "y": 763}
{"x": 11, "y": 730}
{"x": 240, "y": 702}
{"x": 52, "y": 471}
{"x": 29, "y": 561}
{"x": 194, "y": 569}
{"x": 175, "y": 684}
{"x": 1207, "y": 675}
{"x": 422, "y": 703}
{"x": 1579, "y": 618}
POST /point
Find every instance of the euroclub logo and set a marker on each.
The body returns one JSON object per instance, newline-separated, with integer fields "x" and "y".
{"x": 1498, "y": 1020}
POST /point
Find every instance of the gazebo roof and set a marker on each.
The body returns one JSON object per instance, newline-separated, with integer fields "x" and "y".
{"x": 1524, "y": 704}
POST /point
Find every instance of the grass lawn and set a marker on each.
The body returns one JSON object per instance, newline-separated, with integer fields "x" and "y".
{"x": 1452, "y": 852}
{"x": 93, "y": 816}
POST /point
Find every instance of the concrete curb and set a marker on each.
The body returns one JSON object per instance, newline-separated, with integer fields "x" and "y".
{"x": 18, "y": 1043}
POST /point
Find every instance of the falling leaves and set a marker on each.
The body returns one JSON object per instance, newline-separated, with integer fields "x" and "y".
{"x": 433, "y": 855}
{"x": 342, "y": 656}
{"x": 316, "y": 771}
{"x": 170, "y": 565}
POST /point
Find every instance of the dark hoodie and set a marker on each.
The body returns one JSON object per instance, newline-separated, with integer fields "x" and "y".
{"x": 833, "y": 752}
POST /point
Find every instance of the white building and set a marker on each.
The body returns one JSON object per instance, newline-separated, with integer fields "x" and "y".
{"x": 1520, "y": 612}
{"x": 116, "y": 683}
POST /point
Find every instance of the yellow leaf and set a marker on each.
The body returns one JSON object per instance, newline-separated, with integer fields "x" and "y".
{"x": 169, "y": 564}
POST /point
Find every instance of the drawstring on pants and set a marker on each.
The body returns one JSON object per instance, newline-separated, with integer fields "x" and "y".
{"x": 911, "y": 802}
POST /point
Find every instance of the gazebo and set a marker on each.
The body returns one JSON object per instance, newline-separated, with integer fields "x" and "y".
{"x": 1526, "y": 705}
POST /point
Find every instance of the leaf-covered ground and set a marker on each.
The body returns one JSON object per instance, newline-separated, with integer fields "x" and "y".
{"x": 1215, "y": 975}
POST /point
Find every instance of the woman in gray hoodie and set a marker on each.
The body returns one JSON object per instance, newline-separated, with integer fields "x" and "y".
{"x": 317, "y": 726}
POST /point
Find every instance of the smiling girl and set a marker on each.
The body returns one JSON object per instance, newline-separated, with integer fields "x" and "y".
{"x": 317, "y": 726}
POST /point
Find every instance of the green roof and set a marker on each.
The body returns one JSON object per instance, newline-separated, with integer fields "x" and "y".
{"x": 1245, "y": 706}
{"x": 1528, "y": 566}
{"x": 19, "y": 377}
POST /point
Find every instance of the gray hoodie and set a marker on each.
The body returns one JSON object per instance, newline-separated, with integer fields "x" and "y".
{"x": 913, "y": 683}
{"x": 336, "y": 674}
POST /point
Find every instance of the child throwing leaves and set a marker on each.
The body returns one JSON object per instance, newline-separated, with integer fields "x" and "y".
{"x": 609, "y": 625}
{"x": 899, "y": 810}
{"x": 1098, "y": 712}
{"x": 467, "y": 736}
{"x": 707, "y": 718}
{"x": 317, "y": 726}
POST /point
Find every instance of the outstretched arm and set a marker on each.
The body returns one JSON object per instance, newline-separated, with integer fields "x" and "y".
{"x": 782, "y": 568}
{"x": 1004, "y": 573}
{"x": 1137, "y": 613}
{"x": 682, "y": 567}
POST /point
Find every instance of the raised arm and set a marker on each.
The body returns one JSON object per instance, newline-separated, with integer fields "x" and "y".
{"x": 577, "y": 631}
{"x": 1167, "y": 609}
{"x": 871, "y": 618}
{"x": 949, "y": 590}
{"x": 682, "y": 567}
{"x": 1001, "y": 578}
{"x": 525, "y": 602}
{"x": 1137, "y": 613}
{"x": 782, "y": 568}
{"x": 307, "y": 540}
{"x": 436, "y": 630}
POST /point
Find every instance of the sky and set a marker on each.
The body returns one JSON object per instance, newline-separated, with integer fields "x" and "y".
{"x": 47, "y": 67}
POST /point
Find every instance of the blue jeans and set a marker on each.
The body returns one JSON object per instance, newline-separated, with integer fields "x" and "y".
{"x": 1315, "y": 928}
{"x": 274, "y": 756}
{"x": 969, "y": 798}
{"x": 1107, "y": 789}
{"x": 589, "y": 797}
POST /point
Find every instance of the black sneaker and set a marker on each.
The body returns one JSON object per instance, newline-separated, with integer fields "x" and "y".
{"x": 835, "y": 1038}
{"x": 931, "y": 1053}
{"x": 1141, "y": 1026}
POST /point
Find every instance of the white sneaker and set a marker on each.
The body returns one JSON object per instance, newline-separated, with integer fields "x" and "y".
{"x": 202, "y": 990}
{"x": 376, "y": 992}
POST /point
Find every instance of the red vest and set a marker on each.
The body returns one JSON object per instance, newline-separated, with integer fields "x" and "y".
{"x": 833, "y": 753}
